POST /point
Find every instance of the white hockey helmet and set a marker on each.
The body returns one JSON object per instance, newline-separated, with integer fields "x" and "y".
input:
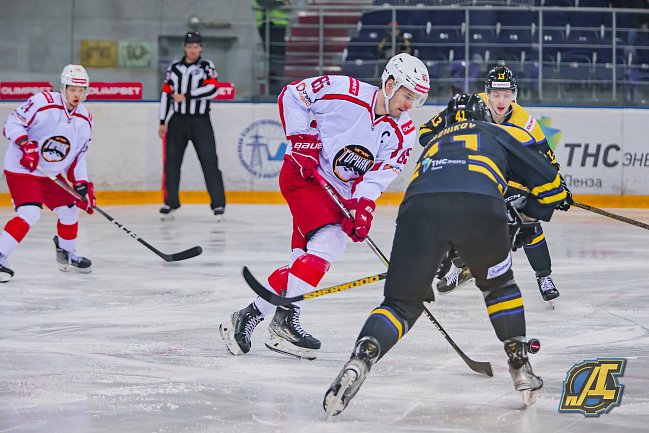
{"x": 74, "y": 75}
{"x": 408, "y": 71}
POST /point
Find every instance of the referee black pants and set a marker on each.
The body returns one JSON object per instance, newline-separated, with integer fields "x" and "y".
{"x": 197, "y": 129}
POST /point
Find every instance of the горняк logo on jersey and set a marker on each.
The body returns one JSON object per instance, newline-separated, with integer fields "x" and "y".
{"x": 261, "y": 148}
{"x": 591, "y": 387}
{"x": 352, "y": 162}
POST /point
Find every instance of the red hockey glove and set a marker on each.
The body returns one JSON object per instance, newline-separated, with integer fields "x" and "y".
{"x": 305, "y": 153}
{"x": 30, "y": 155}
{"x": 87, "y": 191}
{"x": 358, "y": 226}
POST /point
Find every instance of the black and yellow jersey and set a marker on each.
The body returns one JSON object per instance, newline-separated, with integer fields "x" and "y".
{"x": 518, "y": 117}
{"x": 479, "y": 157}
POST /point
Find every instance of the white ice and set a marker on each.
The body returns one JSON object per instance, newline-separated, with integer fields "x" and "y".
{"x": 134, "y": 346}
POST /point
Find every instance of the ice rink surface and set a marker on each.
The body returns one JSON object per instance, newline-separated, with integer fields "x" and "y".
{"x": 134, "y": 346}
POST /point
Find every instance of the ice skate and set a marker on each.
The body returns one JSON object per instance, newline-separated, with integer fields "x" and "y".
{"x": 454, "y": 278}
{"x": 167, "y": 212}
{"x": 218, "y": 212}
{"x": 548, "y": 290}
{"x": 351, "y": 377}
{"x": 287, "y": 335}
{"x": 6, "y": 274}
{"x": 237, "y": 331}
{"x": 520, "y": 369}
{"x": 70, "y": 260}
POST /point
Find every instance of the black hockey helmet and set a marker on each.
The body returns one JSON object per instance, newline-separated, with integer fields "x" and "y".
{"x": 193, "y": 38}
{"x": 500, "y": 78}
{"x": 465, "y": 106}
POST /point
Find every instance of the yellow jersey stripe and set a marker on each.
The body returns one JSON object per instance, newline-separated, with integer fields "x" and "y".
{"x": 490, "y": 163}
{"x": 547, "y": 186}
{"x": 388, "y": 314}
{"x": 507, "y": 305}
{"x": 486, "y": 172}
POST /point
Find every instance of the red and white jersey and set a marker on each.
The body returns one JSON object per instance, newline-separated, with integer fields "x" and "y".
{"x": 362, "y": 153}
{"x": 63, "y": 137}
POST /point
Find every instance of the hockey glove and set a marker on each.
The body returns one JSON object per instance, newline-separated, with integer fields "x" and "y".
{"x": 305, "y": 153}
{"x": 358, "y": 225}
{"x": 30, "y": 155}
{"x": 565, "y": 204}
{"x": 87, "y": 191}
{"x": 521, "y": 233}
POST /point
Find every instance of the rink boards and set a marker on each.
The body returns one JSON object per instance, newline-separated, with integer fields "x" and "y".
{"x": 602, "y": 152}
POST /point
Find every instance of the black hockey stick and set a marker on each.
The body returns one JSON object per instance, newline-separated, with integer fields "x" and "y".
{"x": 276, "y": 299}
{"x": 611, "y": 215}
{"x": 477, "y": 366}
{"x": 175, "y": 257}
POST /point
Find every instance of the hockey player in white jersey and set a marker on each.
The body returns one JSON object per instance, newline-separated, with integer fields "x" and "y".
{"x": 49, "y": 134}
{"x": 358, "y": 137}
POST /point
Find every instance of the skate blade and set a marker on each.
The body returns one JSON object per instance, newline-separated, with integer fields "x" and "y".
{"x": 552, "y": 303}
{"x": 4, "y": 277}
{"x": 530, "y": 397}
{"x": 219, "y": 218}
{"x": 70, "y": 268}
{"x": 227, "y": 334}
{"x": 446, "y": 291}
{"x": 334, "y": 407}
{"x": 282, "y": 346}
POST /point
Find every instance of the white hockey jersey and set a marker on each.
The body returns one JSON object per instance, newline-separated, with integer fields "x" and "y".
{"x": 63, "y": 138}
{"x": 362, "y": 153}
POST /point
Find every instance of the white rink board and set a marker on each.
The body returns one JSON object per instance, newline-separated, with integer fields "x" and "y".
{"x": 601, "y": 150}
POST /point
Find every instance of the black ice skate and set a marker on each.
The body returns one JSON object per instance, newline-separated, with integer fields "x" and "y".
{"x": 454, "y": 278}
{"x": 287, "y": 335}
{"x": 351, "y": 377}
{"x": 520, "y": 369}
{"x": 237, "y": 332}
{"x": 6, "y": 274}
{"x": 70, "y": 260}
{"x": 547, "y": 288}
{"x": 218, "y": 212}
{"x": 167, "y": 212}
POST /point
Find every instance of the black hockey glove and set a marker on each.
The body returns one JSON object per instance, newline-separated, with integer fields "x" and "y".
{"x": 521, "y": 233}
{"x": 565, "y": 204}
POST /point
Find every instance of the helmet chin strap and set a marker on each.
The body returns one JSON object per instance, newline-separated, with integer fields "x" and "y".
{"x": 387, "y": 99}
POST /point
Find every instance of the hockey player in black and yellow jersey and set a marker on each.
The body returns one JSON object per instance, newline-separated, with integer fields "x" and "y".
{"x": 455, "y": 200}
{"x": 500, "y": 95}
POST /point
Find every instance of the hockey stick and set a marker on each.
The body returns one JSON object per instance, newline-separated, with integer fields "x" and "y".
{"x": 611, "y": 215}
{"x": 276, "y": 299}
{"x": 175, "y": 257}
{"x": 477, "y": 366}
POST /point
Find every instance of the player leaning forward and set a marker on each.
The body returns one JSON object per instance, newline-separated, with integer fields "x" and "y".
{"x": 52, "y": 131}
{"x": 455, "y": 199}
{"x": 359, "y": 143}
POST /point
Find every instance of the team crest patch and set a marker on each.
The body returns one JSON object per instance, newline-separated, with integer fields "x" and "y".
{"x": 592, "y": 388}
{"x": 352, "y": 162}
{"x": 55, "y": 148}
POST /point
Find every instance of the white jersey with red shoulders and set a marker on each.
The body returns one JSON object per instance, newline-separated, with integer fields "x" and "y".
{"x": 362, "y": 153}
{"x": 63, "y": 137}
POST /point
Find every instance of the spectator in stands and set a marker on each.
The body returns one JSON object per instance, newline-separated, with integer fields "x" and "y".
{"x": 402, "y": 43}
{"x": 275, "y": 14}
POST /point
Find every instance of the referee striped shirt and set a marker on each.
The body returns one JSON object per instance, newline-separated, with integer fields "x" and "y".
{"x": 198, "y": 81}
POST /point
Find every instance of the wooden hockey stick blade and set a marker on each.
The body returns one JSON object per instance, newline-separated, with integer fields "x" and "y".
{"x": 477, "y": 366}
{"x": 278, "y": 300}
{"x": 611, "y": 215}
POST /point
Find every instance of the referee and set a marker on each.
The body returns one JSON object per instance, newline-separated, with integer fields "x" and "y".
{"x": 188, "y": 86}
